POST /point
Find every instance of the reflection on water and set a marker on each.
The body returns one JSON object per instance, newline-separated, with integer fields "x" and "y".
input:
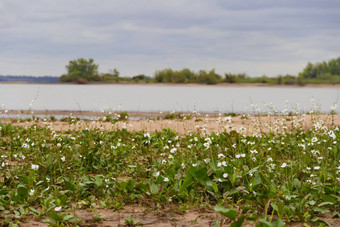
{"x": 144, "y": 98}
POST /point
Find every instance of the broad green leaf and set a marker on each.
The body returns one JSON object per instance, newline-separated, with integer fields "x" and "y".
{"x": 154, "y": 189}
{"x": 278, "y": 223}
{"x": 274, "y": 206}
{"x": 321, "y": 210}
{"x": 54, "y": 216}
{"x": 239, "y": 222}
{"x": 263, "y": 223}
{"x": 229, "y": 213}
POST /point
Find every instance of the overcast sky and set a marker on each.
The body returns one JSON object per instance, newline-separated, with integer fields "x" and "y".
{"x": 39, "y": 37}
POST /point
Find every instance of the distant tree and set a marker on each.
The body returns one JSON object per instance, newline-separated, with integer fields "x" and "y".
{"x": 322, "y": 70}
{"x": 209, "y": 77}
{"x": 115, "y": 72}
{"x": 81, "y": 70}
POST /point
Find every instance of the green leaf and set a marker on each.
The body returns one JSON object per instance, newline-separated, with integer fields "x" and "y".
{"x": 69, "y": 185}
{"x": 98, "y": 181}
{"x": 278, "y": 223}
{"x": 321, "y": 210}
{"x": 22, "y": 193}
{"x": 264, "y": 223}
{"x": 69, "y": 218}
{"x": 217, "y": 223}
{"x": 297, "y": 183}
{"x": 239, "y": 222}
{"x": 54, "y": 216}
{"x": 154, "y": 189}
{"x": 229, "y": 213}
{"x": 214, "y": 185}
{"x": 325, "y": 203}
{"x": 130, "y": 185}
{"x": 36, "y": 212}
{"x": 274, "y": 206}
{"x": 336, "y": 214}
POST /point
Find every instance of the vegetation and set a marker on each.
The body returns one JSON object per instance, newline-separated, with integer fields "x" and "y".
{"x": 84, "y": 71}
{"x": 81, "y": 71}
{"x": 279, "y": 177}
{"x": 187, "y": 76}
{"x": 322, "y": 72}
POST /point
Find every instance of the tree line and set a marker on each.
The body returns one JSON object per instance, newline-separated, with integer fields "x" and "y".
{"x": 85, "y": 70}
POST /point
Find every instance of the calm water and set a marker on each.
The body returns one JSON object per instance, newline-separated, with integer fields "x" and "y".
{"x": 160, "y": 98}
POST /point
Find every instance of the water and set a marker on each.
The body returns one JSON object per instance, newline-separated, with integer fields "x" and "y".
{"x": 148, "y": 98}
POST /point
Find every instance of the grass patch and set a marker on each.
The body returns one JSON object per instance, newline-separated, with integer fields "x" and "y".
{"x": 275, "y": 177}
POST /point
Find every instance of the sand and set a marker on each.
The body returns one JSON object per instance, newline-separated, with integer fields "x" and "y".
{"x": 203, "y": 123}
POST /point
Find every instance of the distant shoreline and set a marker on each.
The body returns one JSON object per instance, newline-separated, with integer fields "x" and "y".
{"x": 185, "y": 85}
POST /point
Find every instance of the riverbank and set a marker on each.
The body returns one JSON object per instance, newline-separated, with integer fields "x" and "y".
{"x": 186, "y": 84}
{"x": 183, "y": 124}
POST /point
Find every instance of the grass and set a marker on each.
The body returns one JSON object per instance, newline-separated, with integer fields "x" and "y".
{"x": 268, "y": 179}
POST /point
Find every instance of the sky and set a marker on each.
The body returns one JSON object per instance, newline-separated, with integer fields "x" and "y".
{"x": 257, "y": 37}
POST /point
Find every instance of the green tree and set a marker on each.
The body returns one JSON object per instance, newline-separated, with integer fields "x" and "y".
{"x": 81, "y": 70}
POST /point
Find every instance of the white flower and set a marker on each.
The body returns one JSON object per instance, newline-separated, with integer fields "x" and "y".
{"x": 57, "y": 209}
{"x": 333, "y": 107}
{"x": 269, "y": 159}
{"x": 34, "y": 167}
{"x": 194, "y": 164}
{"x": 237, "y": 156}
{"x": 173, "y": 150}
{"x": 314, "y": 139}
{"x": 166, "y": 179}
{"x": 31, "y": 192}
{"x": 25, "y": 145}
{"x": 220, "y": 156}
{"x": 331, "y": 134}
{"x": 317, "y": 167}
{"x": 63, "y": 158}
{"x": 157, "y": 174}
{"x": 225, "y": 175}
{"x": 253, "y": 151}
{"x": 283, "y": 165}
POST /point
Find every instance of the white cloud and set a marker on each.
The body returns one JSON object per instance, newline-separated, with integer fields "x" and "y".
{"x": 140, "y": 36}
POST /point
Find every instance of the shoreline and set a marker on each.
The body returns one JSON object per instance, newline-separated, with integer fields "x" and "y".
{"x": 185, "y": 85}
{"x": 202, "y": 123}
{"x": 134, "y": 114}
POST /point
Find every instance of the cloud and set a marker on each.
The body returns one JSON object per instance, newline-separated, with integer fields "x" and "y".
{"x": 140, "y": 36}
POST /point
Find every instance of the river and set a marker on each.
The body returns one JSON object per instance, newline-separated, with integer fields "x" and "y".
{"x": 155, "y": 98}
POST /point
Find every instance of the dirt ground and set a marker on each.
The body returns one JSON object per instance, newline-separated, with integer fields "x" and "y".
{"x": 164, "y": 218}
{"x": 203, "y": 123}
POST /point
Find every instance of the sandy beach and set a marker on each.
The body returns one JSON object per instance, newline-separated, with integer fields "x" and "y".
{"x": 151, "y": 122}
